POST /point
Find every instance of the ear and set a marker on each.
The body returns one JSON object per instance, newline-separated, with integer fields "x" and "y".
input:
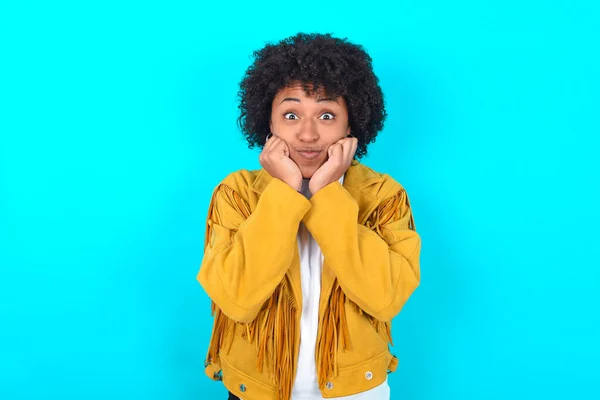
{"x": 348, "y": 131}
{"x": 270, "y": 125}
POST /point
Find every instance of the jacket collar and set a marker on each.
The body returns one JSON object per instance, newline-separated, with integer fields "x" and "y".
{"x": 357, "y": 181}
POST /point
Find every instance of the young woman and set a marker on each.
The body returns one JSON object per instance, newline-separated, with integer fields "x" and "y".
{"x": 309, "y": 258}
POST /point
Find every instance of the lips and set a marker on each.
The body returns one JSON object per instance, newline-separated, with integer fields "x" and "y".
{"x": 309, "y": 155}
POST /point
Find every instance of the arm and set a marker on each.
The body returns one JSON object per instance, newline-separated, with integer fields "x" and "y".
{"x": 247, "y": 255}
{"x": 377, "y": 269}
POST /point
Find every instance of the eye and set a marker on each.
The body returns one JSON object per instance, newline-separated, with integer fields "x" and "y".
{"x": 290, "y": 115}
{"x": 327, "y": 116}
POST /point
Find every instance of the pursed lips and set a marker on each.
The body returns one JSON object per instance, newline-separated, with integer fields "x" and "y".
{"x": 309, "y": 154}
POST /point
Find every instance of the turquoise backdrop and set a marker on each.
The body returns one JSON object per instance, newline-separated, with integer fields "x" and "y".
{"x": 117, "y": 119}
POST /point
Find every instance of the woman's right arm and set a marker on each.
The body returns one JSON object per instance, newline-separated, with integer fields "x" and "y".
{"x": 247, "y": 255}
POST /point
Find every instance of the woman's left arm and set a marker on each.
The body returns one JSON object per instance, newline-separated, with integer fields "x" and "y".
{"x": 377, "y": 266}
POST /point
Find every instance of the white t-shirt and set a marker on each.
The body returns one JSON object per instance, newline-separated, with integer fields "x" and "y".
{"x": 306, "y": 386}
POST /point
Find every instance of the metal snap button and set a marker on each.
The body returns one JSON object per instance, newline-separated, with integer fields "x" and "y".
{"x": 242, "y": 388}
{"x": 369, "y": 375}
{"x": 329, "y": 385}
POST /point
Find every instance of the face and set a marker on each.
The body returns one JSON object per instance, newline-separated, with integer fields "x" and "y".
{"x": 309, "y": 125}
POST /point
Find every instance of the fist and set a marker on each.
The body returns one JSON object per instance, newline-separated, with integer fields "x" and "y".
{"x": 275, "y": 159}
{"x": 340, "y": 155}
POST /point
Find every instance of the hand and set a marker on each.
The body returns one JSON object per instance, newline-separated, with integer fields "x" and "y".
{"x": 340, "y": 154}
{"x": 275, "y": 159}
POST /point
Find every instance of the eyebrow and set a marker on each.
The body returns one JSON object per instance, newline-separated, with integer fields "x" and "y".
{"x": 327, "y": 99}
{"x": 291, "y": 99}
{"x": 297, "y": 100}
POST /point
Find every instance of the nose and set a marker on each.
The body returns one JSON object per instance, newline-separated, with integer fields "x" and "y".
{"x": 308, "y": 132}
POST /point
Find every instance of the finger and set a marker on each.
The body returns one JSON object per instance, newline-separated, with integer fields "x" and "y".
{"x": 330, "y": 150}
{"x": 337, "y": 151}
{"x": 275, "y": 144}
{"x": 279, "y": 146}
{"x": 346, "y": 144}
{"x": 286, "y": 149}
{"x": 354, "y": 147}
{"x": 269, "y": 142}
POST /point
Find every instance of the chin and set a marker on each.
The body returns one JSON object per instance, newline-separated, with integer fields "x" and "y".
{"x": 308, "y": 172}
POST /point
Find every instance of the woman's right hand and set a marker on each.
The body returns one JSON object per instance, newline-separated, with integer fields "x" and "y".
{"x": 275, "y": 159}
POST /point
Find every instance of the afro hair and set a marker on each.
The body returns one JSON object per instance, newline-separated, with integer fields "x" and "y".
{"x": 318, "y": 62}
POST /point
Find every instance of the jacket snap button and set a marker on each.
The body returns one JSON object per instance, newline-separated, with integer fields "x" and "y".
{"x": 369, "y": 375}
{"x": 242, "y": 388}
{"x": 329, "y": 385}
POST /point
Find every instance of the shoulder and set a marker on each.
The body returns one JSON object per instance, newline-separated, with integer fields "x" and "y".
{"x": 231, "y": 200}
{"x": 241, "y": 179}
{"x": 378, "y": 184}
{"x": 392, "y": 198}
{"x": 240, "y": 182}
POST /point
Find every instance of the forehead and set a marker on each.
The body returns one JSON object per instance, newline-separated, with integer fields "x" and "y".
{"x": 317, "y": 97}
{"x": 296, "y": 90}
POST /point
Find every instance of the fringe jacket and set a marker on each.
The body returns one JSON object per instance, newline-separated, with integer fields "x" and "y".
{"x": 251, "y": 271}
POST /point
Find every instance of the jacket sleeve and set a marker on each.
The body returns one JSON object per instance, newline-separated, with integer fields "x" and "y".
{"x": 247, "y": 255}
{"x": 377, "y": 265}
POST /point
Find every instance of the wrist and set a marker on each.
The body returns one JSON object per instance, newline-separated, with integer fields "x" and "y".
{"x": 297, "y": 186}
{"x": 314, "y": 188}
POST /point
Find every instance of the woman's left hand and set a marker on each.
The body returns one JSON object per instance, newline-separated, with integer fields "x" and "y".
{"x": 341, "y": 154}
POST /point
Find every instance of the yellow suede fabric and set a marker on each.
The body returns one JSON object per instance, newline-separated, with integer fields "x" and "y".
{"x": 251, "y": 271}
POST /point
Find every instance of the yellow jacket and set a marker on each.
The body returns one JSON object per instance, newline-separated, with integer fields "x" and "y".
{"x": 251, "y": 271}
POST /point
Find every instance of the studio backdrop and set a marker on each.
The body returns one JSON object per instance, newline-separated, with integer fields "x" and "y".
{"x": 118, "y": 119}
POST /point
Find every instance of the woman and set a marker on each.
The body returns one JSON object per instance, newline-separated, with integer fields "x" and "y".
{"x": 308, "y": 259}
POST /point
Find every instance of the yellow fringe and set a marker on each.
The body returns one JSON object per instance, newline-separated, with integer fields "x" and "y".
{"x": 388, "y": 210}
{"x": 275, "y": 327}
{"x": 333, "y": 331}
{"x": 213, "y": 215}
{"x": 222, "y": 325}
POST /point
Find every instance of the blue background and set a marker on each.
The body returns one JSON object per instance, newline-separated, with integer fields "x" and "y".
{"x": 118, "y": 119}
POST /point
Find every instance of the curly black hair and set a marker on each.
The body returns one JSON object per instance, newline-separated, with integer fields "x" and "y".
{"x": 318, "y": 61}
